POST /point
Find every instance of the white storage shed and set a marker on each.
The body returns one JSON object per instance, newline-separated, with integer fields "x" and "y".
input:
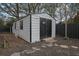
{"x": 34, "y": 27}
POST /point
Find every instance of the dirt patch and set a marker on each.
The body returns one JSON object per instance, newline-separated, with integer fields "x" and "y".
{"x": 51, "y": 47}
{"x": 15, "y": 44}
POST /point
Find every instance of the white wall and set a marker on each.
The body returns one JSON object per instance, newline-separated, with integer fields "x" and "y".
{"x": 25, "y": 33}
{"x": 35, "y": 29}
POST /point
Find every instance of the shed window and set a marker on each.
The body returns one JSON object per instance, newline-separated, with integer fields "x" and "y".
{"x": 21, "y": 25}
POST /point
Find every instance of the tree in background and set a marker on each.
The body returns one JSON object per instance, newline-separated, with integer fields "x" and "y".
{"x": 50, "y": 9}
{"x": 65, "y": 21}
{"x": 74, "y": 12}
{"x": 10, "y": 9}
{"x": 1, "y": 23}
{"x": 8, "y": 26}
{"x": 74, "y": 20}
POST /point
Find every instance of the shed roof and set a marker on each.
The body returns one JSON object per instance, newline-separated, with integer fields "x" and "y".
{"x": 44, "y": 15}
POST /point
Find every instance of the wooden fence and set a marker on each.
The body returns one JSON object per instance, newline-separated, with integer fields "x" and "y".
{"x": 4, "y": 30}
{"x": 72, "y": 30}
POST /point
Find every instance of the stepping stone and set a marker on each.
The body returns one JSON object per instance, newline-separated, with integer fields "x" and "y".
{"x": 24, "y": 51}
{"x": 43, "y": 46}
{"x": 50, "y": 40}
{"x": 35, "y": 48}
{"x": 74, "y": 47}
{"x": 63, "y": 46}
{"x": 49, "y": 45}
{"x": 30, "y": 51}
{"x": 16, "y": 54}
{"x": 56, "y": 44}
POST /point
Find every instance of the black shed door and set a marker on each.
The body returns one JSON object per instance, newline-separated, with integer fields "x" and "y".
{"x": 45, "y": 28}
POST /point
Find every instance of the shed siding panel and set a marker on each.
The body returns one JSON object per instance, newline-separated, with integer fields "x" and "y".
{"x": 35, "y": 29}
{"x": 25, "y": 33}
{"x": 42, "y": 16}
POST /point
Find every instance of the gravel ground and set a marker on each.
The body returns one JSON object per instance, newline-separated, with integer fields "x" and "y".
{"x": 49, "y": 47}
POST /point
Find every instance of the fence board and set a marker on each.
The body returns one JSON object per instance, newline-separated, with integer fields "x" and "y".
{"x": 72, "y": 30}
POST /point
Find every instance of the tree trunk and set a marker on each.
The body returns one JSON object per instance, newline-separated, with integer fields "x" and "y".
{"x": 65, "y": 22}
{"x": 17, "y": 11}
{"x": 29, "y": 7}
